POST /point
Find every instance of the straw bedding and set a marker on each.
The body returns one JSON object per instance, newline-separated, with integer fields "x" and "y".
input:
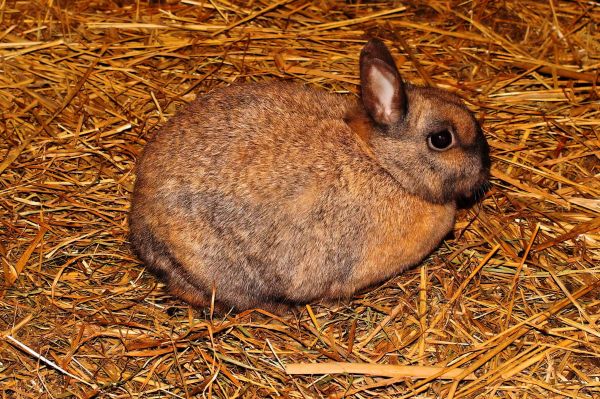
{"x": 508, "y": 307}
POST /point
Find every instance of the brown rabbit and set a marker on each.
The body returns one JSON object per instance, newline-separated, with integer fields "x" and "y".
{"x": 276, "y": 194}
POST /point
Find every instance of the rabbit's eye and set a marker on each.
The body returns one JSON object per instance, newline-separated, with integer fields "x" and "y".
{"x": 441, "y": 140}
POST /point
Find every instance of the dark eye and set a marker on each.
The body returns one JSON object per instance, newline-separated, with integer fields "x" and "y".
{"x": 441, "y": 140}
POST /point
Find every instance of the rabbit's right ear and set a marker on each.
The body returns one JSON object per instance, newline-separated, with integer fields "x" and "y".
{"x": 382, "y": 89}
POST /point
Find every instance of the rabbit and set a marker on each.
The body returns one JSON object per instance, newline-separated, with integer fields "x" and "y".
{"x": 274, "y": 195}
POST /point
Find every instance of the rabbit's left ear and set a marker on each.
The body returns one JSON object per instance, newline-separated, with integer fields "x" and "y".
{"x": 383, "y": 94}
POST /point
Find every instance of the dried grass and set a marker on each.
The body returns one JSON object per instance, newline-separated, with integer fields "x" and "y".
{"x": 512, "y": 301}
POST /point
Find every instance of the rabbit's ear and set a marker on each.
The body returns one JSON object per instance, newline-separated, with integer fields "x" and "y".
{"x": 383, "y": 94}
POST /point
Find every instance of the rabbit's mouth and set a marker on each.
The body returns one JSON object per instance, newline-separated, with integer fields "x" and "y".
{"x": 476, "y": 195}
{"x": 474, "y": 189}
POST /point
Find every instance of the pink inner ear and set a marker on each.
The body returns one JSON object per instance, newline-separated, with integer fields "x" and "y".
{"x": 383, "y": 85}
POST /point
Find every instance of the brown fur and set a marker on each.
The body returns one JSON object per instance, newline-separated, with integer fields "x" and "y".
{"x": 277, "y": 194}
{"x": 359, "y": 122}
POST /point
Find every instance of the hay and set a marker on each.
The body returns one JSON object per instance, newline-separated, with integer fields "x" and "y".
{"x": 509, "y": 307}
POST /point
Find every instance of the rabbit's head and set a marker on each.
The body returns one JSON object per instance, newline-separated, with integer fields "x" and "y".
{"x": 424, "y": 137}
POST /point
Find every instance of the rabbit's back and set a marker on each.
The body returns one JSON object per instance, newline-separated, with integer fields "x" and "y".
{"x": 256, "y": 135}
